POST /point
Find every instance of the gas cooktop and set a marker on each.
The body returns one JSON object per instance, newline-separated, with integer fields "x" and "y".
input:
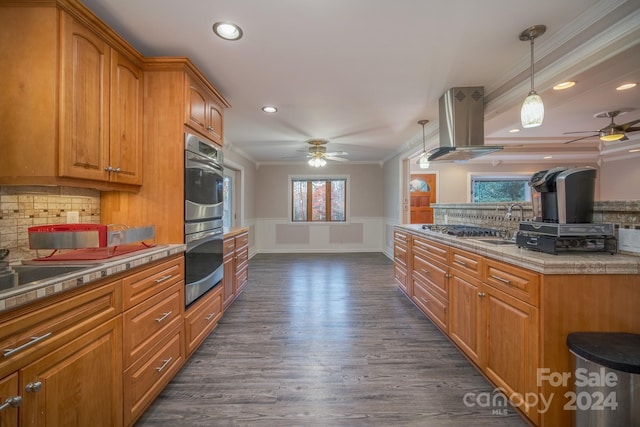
{"x": 462, "y": 230}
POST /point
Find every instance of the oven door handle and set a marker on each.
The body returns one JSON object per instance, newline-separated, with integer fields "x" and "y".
{"x": 206, "y": 163}
{"x": 201, "y": 235}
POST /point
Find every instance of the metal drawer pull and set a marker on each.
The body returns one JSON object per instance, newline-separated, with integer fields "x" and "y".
{"x": 164, "y": 316}
{"x": 425, "y": 271}
{"x": 460, "y": 262}
{"x": 163, "y": 278}
{"x": 481, "y": 294}
{"x": 9, "y": 351}
{"x": 11, "y": 402}
{"x": 164, "y": 365}
{"x": 424, "y": 300}
{"x": 508, "y": 282}
{"x": 211, "y": 316}
{"x": 33, "y": 387}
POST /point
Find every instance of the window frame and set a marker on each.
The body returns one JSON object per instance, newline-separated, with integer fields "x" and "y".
{"x": 492, "y": 176}
{"x": 347, "y": 189}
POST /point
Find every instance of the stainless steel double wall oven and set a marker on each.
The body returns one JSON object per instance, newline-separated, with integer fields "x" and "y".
{"x": 203, "y": 191}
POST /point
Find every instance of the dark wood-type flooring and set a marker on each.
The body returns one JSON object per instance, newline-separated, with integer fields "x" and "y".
{"x": 325, "y": 340}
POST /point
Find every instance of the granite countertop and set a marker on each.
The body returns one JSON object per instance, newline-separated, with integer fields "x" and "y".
{"x": 233, "y": 231}
{"x": 16, "y": 296}
{"x": 562, "y": 263}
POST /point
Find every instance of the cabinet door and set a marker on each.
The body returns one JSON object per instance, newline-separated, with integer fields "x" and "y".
{"x": 84, "y": 102}
{"x": 511, "y": 336}
{"x": 214, "y": 121}
{"x": 228, "y": 280}
{"x": 196, "y": 108}
{"x": 79, "y": 384}
{"x": 125, "y": 146}
{"x": 9, "y": 392}
{"x": 465, "y": 315}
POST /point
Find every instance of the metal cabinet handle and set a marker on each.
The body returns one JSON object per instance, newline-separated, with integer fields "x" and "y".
{"x": 424, "y": 300}
{"x": 164, "y": 365}
{"x": 33, "y": 387}
{"x": 425, "y": 271}
{"x": 209, "y": 127}
{"x": 11, "y": 402}
{"x": 501, "y": 279}
{"x": 117, "y": 170}
{"x": 164, "y": 316}
{"x": 9, "y": 351}
{"x": 460, "y": 262}
{"x": 482, "y": 294}
{"x": 211, "y": 316}
{"x": 108, "y": 169}
{"x": 163, "y": 278}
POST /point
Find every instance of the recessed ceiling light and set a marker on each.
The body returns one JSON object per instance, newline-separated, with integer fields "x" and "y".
{"x": 626, "y": 86}
{"x": 514, "y": 130}
{"x": 269, "y": 109}
{"x": 564, "y": 85}
{"x": 635, "y": 150}
{"x": 548, "y": 157}
{"x": 227, "y": 30}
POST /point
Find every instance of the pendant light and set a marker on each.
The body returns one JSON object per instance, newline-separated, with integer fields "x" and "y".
{"x": 423, "y": 161}
{"x": 532, "y": 112}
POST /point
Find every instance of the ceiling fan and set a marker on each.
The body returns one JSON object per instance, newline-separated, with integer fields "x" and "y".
{"x": 613, "y": 131}
{"x": 318, "y": 154}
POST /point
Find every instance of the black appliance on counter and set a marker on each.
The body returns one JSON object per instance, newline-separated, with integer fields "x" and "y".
{"x": 563, "y": 201}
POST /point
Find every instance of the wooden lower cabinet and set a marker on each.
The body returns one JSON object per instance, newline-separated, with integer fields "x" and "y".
{"x": 9, "y": 394}
{"x": 78, "y": 384}
{"x": 401, "y": 260}
{"x": 465, "y": 315}
{"x": 201, "y": 318}
{"x": 236, "y": 266}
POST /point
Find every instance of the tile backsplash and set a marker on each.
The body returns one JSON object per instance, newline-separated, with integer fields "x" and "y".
{"x": 24, "y": 206}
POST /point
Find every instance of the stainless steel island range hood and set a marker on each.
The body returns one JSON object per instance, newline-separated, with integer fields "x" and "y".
{"x": 462, "y": 126}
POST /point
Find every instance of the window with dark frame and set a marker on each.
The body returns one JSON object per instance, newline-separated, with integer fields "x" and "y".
{"x": 318, "y": 199}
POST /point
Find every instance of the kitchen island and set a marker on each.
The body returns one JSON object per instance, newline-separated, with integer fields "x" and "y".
{"x": 509, "y": 310}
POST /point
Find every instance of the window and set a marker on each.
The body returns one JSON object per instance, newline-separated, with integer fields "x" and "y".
{"x": 227, "y": 201}
{"x": 319, "y": 199}
{"x": 496, "y": 189}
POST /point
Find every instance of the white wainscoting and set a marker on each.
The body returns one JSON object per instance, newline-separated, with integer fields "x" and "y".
{"x": 278, "y": 235}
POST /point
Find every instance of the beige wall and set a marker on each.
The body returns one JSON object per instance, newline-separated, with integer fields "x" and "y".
{"x": 620, "y": 179}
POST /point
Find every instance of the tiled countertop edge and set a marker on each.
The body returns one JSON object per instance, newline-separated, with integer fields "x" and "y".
{"x": 45, "y": 288}
{"x": 562, "y": 263}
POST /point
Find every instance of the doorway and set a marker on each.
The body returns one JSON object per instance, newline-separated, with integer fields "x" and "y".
{"x": 422, "y": 193}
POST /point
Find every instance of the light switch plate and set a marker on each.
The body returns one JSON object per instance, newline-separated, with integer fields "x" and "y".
{"x": 629, "y": 240}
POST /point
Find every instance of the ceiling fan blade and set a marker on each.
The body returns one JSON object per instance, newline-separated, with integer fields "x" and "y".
{"x": 339, "y": 159}
{"x": 626, "y": 127}
{"x": 337, "y": 153}
{"x": 582, "y": 131}
{"x": 584, "y": 137}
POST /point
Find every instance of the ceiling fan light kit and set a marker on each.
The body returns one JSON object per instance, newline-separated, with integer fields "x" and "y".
{"x": 318, "y": 155}
{"x": 423, "y": 161}
{"x": 532, "y": 111}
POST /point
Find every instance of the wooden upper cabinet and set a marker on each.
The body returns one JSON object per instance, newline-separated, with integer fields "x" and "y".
{"x": 100, "y": 108}
{"x": 125, "y": 141}
{"x": 84, "y": 102}
{"x": 203, "y": 112}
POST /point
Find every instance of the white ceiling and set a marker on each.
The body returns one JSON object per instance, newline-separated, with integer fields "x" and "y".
{"x": 361, "y": 73}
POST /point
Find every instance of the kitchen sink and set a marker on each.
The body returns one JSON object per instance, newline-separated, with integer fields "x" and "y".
{"x": 24, "y": 274}
{"x": 497, "y": 241}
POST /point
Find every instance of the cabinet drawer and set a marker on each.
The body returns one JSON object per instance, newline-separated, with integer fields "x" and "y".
{"x": 400, "y": 274}
{"x": 147, "y": 322}
{"x": 400, "y": 237}
{"x": 242, "y": 277}
{"x": 228, "y": 246}
{"x": 242, "y": 240}
{"x": 242, "y": 258}
{"x": 139, "y": 287}
{"x": 146, "y": 378}
{"x": 430, "y": 249}
{"x": 36, "y": 329}
{"x": 434, "y": 307}
{"x": 202, "y": 318}
{"x": 400, "y": 254}
{"x": 432, "y": 273}
{"x": 518, "y": 282}
{"x": 467, "y": 262}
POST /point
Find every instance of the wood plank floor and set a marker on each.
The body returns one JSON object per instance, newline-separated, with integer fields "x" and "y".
{"x": 324, "y": 340}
